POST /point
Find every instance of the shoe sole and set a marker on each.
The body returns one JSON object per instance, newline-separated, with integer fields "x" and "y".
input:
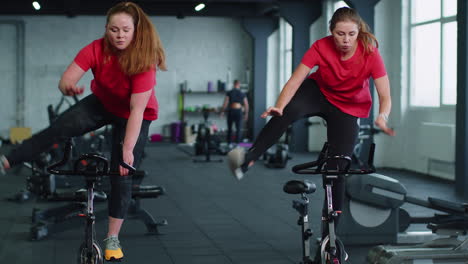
{"x": 236, "y": 158}
{"x": 112, "y": 259}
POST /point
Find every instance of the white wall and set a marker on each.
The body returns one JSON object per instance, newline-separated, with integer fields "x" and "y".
{"x": 318, "y": 131}
{"x": 8, "y": 78}
{"x": 198, "y": 50}
{"x": 413, "y": 148}
{"x": 273, "y": 68}
{"x": 202, "y": 49}
{"x": 387, "y": 29}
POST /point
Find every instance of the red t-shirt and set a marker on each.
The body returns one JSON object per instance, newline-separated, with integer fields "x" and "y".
{"x": 113, "y": 87}
{"x": 345, "y": 84}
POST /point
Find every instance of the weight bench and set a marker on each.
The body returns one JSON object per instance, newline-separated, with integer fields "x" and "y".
{"x": 58, "y": 219}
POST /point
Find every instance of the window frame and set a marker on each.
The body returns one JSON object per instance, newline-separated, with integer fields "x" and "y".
{"x": 411, "y": 25}
{"x": 286, "y": 51}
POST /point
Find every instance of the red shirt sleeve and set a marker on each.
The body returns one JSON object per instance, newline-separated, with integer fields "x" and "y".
{"x": 144, "y": 81}
{"x": 311, "y": 57}
{"x": 85, "y": 58}
{"x": 378, "y": 67}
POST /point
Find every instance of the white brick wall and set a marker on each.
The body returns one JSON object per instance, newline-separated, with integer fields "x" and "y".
{"x": 198, "y": 50}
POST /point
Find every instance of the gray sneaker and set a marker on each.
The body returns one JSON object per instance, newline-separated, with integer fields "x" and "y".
{"x": 113, "y": 250}
{"x": 236, "y": 158}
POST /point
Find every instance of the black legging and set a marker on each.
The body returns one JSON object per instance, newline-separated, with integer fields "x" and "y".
{"x": 234, "y": 116}
{"x": 342, "y": 129}
{"x": 85, "y": 116}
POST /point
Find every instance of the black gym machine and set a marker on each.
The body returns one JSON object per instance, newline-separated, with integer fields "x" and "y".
{"x": 373, "y": 214}
{"x": 53, "y": 220}
{"x": 206, "y": 144}
{"x": 43, "y": 185}
{"x": 91, "y": 167}
{"x": 277, "y": 156}
{"x": 331, "y": 248}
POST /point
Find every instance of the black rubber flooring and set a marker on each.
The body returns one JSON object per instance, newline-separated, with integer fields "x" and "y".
{"x": 212, "y": 217}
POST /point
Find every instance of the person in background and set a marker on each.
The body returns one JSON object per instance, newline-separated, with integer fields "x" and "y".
{"x": 124, "y": 63}
{"x": 338, "y": 92}
{"x": 236, "y": 106}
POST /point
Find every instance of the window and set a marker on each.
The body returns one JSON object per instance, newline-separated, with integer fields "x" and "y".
{"x": 286, "y": 35}
{"x": 332, "y": 6}
{"x": 339, "y": 4}
{"x": 433, "y": 52}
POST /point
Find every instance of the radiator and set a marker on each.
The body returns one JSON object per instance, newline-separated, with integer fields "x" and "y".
{"x": 437, "y": 141}
{"x": 437, "y": 146}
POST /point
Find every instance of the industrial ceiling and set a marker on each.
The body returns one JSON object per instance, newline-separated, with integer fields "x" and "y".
{"x": 179, "y": 8}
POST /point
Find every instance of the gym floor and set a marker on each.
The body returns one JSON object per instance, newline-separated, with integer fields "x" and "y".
{"x": 212, "y": 217}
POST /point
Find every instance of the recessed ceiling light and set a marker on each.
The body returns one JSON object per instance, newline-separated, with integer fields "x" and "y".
{"x": 36, "y": 5}
{"x": 199, "y": 7}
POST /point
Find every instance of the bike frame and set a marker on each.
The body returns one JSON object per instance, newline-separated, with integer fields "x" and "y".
{"x": 330, "y": 219}
{"x": 90, "y": 235}
{"x": 329, "y": 177}
{"x": 99, "y": 169}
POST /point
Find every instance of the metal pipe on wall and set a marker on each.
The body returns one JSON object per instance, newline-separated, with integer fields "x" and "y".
{"x": 20, "y": 69}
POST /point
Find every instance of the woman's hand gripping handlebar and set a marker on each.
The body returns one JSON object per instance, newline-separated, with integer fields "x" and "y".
{"x": 319, "y": 166}
{"x": 100, "y": 164}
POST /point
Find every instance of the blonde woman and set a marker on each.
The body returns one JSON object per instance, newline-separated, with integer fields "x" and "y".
{"x": 338, "y": 92}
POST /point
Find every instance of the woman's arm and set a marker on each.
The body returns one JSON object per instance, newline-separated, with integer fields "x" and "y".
{"x": 288, "y": 91}
{"x": 382, "y": 85}
{"x": 138, "y": 102}
{"x": 225, "y": 105}
{"x": 69, "y": 79}
{"x": 246, "y": 108}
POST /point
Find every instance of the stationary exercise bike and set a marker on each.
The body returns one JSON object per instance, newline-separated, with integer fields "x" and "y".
{"x": 277, "y": 156}
{"x": 331, "y": 248}
{"x": 92, "y": 167}
{"x": 206, "y": 144}
{"x": 366, "y": 133}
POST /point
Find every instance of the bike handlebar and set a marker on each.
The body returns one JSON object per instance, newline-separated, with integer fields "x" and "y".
{"x": 101, "y": 167}
{"x": 318, "y": 166}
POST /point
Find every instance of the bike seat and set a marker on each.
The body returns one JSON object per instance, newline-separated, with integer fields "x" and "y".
{"x": 298, "y": 187}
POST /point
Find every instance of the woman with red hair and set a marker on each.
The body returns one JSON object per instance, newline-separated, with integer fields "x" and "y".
{"x": 124, "y": 64}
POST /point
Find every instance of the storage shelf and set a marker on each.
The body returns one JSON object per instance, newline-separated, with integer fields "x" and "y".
{"x": 201, "y": 111}
{"x": 214, "y": 97}
{"x": 202, "y": 92}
